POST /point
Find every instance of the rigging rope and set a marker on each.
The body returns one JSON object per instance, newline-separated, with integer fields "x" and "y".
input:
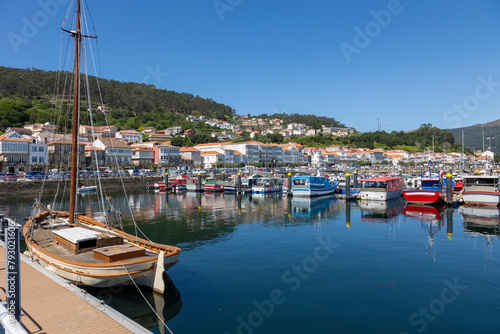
{"x": 152, "y": 309}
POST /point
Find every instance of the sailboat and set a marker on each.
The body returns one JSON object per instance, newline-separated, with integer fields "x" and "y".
{"x": 81, "y": 249}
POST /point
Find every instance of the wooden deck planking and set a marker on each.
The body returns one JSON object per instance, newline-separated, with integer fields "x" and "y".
{"x": 48, "y": 307}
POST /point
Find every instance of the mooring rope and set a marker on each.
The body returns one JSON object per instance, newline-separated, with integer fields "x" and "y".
{"x": 152, "y": 309}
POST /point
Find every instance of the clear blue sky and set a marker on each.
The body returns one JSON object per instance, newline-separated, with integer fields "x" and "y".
{"x": 330, "y": 58}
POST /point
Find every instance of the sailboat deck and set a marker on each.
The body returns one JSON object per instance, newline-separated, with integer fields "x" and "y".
{"x": 44, "y": 237}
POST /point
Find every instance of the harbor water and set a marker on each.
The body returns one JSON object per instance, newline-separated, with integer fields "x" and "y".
{"x": 273, "y": 264}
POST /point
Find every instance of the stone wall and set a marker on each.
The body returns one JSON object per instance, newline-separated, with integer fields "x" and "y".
{"x": 50, "y": 186}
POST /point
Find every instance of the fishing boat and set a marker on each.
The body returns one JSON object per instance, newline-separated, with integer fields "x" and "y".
{"x": 481, "y": 190}
{"x": 212, "y": 185}
{"x": 432, "y": 188}
{"x": 268, "y": 186}
{"x": 381, "y": 188}
{"x": 231, "y": 187}
{"x": 431, "y": 191}
{"x": 192, "y": 185}
{"x": 79, "y": 248}
{"x": 311, "y": 186}
{"x": 180, "y": 183}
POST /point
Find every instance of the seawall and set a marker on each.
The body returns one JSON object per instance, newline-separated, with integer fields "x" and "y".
{"x": 32, "y": 187}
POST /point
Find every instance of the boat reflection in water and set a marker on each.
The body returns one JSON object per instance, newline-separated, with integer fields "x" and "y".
{"x": 311, "y": 206}
{"x": 427, "y": 213}
{"x": 432, "y": 218}
{"x": 481, "y": 220}
{"x": 127, "y": 301}
{"x": 380, "y": 211}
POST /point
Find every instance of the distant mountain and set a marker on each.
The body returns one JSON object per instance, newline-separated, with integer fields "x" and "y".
{"x": 473, "y": 136}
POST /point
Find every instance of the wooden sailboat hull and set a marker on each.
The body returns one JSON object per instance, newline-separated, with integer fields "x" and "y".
{"x": 99, "y": 274}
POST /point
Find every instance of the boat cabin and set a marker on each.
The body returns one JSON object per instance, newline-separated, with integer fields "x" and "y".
{"x": 386, "y": 183}
{"x": 481, "y": 182}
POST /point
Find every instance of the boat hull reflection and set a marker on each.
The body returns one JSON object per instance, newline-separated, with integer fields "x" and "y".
{"x": 482, "y": 220}
{"x": 126, "y": 300}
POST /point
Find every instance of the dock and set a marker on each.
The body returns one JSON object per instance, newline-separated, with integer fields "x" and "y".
{"x": 50, "y": 304}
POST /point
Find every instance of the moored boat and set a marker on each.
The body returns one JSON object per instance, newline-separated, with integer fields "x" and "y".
{"x": 87, "y": 189}
{"x": 267, "y": 186}
{"x": 80, "y": 248}
{"x": 381, "y": 188}
{"x": 311, "y": 186}
{"x": 431, "y": 191}
{"x": 481, "y": 190}
{"x": 212, "y": 185}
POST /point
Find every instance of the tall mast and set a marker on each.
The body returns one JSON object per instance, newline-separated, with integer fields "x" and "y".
{"x": 76, "y": 109}
{"x": 462, "y": 155}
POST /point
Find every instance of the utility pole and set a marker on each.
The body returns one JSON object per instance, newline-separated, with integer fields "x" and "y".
{"x": 482, "y": 130}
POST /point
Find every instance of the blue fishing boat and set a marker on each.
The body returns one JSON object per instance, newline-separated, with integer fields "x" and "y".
{"x": 311, "y": 186}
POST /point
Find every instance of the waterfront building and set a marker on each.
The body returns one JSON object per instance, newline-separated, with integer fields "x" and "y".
{"x": 191, "y": 153}
{"x": 142, "y": 155}
{"x": 93, "y": 155}
{"x": 14, "y": 151}
{"x": 38, "y": 151}
{"x": 165, "y": 154}
{"x": 59, "y": 151}
{"x": 115, "y": 151}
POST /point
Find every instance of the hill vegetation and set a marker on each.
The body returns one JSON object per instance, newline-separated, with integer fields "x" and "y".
{"x": 27, "y": 95}
{"x": 473, "y": 136}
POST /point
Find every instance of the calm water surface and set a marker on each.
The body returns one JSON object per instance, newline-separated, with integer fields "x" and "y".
{"x": 272, "y": 264}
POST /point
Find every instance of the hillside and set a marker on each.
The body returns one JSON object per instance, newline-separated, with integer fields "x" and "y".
{"x": 128, "y": 96}
{"x": 25, "y": 93}
{"x": 473, "y": 136}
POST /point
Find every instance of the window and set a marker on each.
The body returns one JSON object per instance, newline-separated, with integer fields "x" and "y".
{"x": 41, "y": 160}
{"x": 33, "y": 159}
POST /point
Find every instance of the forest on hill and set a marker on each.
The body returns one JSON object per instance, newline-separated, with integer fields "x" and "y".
{"x": 126, "y": 96}
{"x": 425, "y": 137}
{"x": 477, "y": 135}
{"x": 25, "y": 95}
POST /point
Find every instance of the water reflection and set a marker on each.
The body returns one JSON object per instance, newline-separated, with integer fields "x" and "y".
{"x": 315, "y": 206}
{"x": 380, "y": 211}
{"x": 130, "y": 302}
{"x": 481, "y": 220}
{"x": 432, "y": 220}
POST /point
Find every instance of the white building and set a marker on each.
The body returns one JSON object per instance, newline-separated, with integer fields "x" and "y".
{"x": 116, "y": 151}
{"x": 129, "y": 136}
{"x": 38, "y": 152}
